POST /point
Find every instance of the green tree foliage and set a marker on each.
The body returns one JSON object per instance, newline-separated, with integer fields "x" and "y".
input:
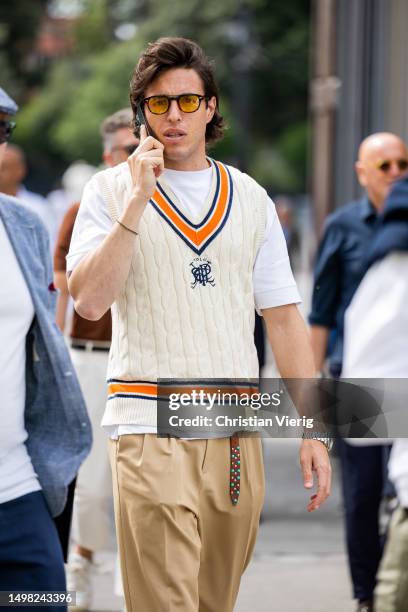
{"x": 93, "y": 30}
{"x": 19, "y": 22}
{"x": 260, "y": 49}
{"x": 104, "y": 90}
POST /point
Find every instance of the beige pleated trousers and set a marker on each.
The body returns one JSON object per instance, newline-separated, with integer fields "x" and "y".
{"x": 183, "y": 545}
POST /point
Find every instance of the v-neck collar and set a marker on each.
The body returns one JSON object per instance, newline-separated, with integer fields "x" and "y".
{"x": 216, "y": 209}
{"x": 198, "y": 216}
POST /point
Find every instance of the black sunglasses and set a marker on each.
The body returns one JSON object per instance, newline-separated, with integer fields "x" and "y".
{"x": 6, "y": 129}
{"x": 385, "y": 165}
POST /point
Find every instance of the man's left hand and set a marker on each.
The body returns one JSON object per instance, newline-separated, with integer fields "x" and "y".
{"x": 314, "y": 457}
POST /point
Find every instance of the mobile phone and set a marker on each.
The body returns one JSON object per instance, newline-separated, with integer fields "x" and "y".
{"x": 141, "y": 119}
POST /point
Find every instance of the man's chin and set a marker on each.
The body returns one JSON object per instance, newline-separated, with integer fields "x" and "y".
{"x": 176, "y": 154}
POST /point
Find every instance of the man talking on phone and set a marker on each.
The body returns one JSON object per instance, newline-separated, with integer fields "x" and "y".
{"x": 182, "y": 248}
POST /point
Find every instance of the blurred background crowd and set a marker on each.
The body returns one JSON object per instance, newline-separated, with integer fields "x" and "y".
{"x": 302, "y": 83}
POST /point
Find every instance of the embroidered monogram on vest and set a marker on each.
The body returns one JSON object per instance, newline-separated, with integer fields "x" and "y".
{"x": 201, "y": 271}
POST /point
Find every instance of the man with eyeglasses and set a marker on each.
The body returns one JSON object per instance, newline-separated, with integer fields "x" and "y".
{"x": 118, "y": 139}
{"x": 348, "y": 232}
{"x": 90, "y": 342}
{"x": 185, "y": 248}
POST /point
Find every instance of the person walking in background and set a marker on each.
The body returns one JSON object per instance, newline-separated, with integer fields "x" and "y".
{"x": 90, "y": 342}
{"x": 45, "y": 431}
{"x": 376, "y": 340}
{"x": 73, "y": 180}
{"x": 72, "y": 184}
{"x": 382, "y": 159}
{"x": 284, "y": 210}
{"x": 182, "y": 247}
{"x": 12, "y": 175}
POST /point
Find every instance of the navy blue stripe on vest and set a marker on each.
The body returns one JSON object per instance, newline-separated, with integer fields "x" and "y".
{"x": 208, "y": 215}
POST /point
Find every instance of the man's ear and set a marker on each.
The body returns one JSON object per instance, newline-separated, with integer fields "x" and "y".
{"x": 211, "y": 106}
{"x": 361, "y": 173}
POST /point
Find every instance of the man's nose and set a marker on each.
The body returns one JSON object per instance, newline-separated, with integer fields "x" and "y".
{"x": 174, "y": 113}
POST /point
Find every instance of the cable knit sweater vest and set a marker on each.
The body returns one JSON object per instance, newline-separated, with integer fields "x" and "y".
{"x": 187, "y": 308}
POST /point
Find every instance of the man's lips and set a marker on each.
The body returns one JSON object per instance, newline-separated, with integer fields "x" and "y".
{"x": 173, "y": 135}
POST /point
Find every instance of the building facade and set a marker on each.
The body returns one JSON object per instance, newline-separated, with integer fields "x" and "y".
{"x": 359, "y": 86}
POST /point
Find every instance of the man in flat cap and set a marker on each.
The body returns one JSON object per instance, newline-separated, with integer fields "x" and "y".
{"x": 7, "y": 105}
{"x": 41, "y": 402}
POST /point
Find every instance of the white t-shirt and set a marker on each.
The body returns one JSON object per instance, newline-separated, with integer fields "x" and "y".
{"x": 376, "y": 323}
{"x": 376, "y": 341}
{"x": 273, "y": 280}
{"x": 17, "y": 476}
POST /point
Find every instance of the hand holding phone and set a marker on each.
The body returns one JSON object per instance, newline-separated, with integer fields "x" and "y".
{"x": 146, "y": 163}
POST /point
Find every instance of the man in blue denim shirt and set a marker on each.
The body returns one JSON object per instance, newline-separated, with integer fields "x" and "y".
{"x": 44, "y": 427}
{"x": 383, "y": 158}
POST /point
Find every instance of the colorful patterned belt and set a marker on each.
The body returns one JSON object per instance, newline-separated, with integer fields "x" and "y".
{"x": 235, "y": 469}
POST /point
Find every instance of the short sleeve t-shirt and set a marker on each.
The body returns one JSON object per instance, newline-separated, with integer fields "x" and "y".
{"x": 273, "y": 280}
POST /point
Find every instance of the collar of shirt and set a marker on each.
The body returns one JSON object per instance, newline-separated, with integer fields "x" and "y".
{"x": 367, "y": 211}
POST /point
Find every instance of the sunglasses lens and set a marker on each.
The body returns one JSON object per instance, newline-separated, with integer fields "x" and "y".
{"x": 385, "y": 166}
{"x": 402, "y": 164}
{"x": 189, "y": 104}
{"x": 6, "y": 129}
{"x": 158, "y": 105}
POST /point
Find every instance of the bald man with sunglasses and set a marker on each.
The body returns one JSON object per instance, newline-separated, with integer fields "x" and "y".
{"x": 382, "y": 159}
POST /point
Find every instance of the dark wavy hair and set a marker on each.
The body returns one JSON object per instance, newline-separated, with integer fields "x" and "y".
{"x": 168, "y": 53}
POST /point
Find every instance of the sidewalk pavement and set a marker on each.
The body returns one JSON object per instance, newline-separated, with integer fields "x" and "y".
{"x": 299, "y": 564}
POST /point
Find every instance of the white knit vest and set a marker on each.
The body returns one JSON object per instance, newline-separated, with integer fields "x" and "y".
{"x": 187, "y": 308}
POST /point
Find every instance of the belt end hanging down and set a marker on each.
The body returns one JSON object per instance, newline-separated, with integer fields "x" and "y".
{"x": 235, "y": 469}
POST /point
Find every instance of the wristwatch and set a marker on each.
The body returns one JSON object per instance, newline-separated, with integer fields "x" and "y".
{"x": 321, "y": 437}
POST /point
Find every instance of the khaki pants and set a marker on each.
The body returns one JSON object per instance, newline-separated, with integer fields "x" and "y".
{"x": 391, "y": 593}
{"x": 183, "y": 545}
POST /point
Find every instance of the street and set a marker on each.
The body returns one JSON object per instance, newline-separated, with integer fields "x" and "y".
{"x": 299, "y": 563}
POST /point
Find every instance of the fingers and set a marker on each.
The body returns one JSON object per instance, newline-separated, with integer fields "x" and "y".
{"x": 143, "y": 165}
{"x": 315, "y": 458}
{"x": 323, "y": 490}
{"x": 151, "y": 153}
{"x": 145, "y": 159}
{"x": 146, "y": 164}
{"x": 152, "y": 158}
{"x": 307, "y": 466}
{"x": 148, "y": 143}
{"x": 143, "y": 133}
{"x": 152, "y": 161}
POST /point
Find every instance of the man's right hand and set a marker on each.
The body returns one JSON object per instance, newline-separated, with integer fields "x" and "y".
{"x": 146, "y": 164}
{"x": 100, "y": 277}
